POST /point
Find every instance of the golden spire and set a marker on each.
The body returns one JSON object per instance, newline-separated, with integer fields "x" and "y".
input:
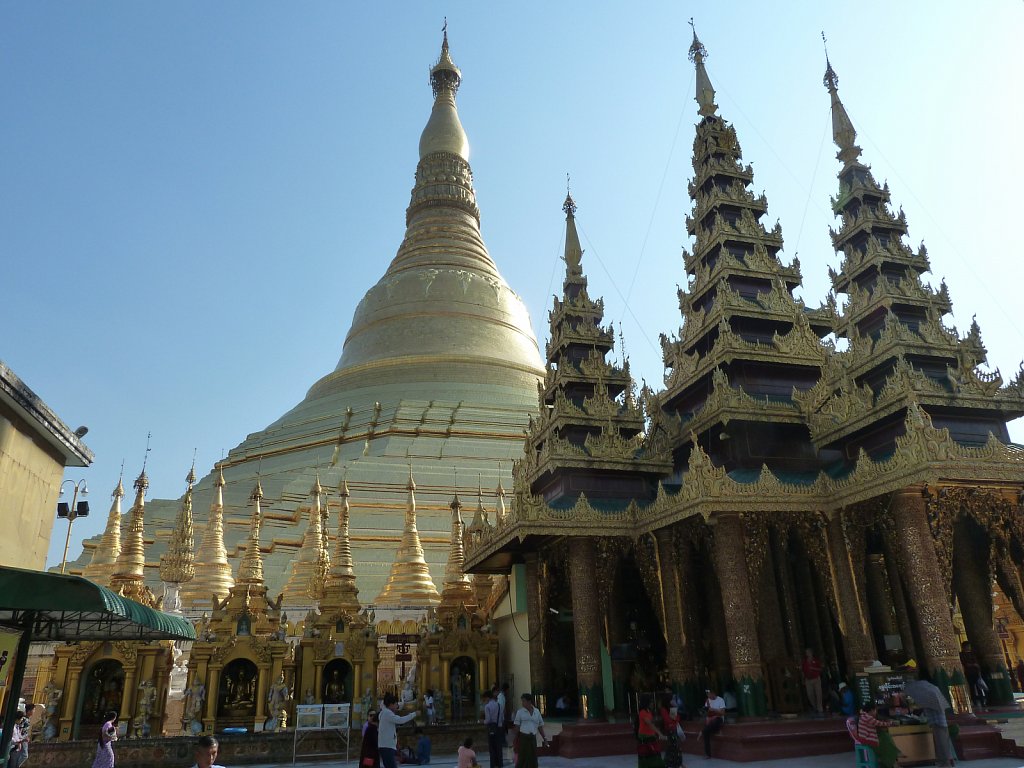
{"x": 479, "y": 523}
{"x": 573, "y": 252}
{"x": 131, "y": 561}
{"x": 458, "y": 590}
{"x": 177, "y": 564}
{"x": 250, "y": 572}
{"x": 213, "y": 578}
{"x": 843, "y": 133}
{"x": 409, "y": 583}
{"x": 341, "y": 583}
{"x": 444, "y": 131}
{"x": 305, "y": 576}
{"x": 104, "y": 557}
{"x": 705, "y": 92}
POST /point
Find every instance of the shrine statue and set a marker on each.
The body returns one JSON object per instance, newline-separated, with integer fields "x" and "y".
{"x": 240, "y": 690}
{"x": 334, "y": 692}
{"x": 144, "y": 708}
{"x": 309, "y": 698}
{"x": 53, "y": 695}
{"x": 278, "y": 696}
{"x": 194, "y": 698}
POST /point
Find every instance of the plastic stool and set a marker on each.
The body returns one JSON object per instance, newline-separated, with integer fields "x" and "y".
{"x": 865, "y": 756}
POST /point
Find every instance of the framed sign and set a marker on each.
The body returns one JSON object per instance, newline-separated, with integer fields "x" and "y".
{"x": 309, "y": 717}
{"x": 337, "y": 715}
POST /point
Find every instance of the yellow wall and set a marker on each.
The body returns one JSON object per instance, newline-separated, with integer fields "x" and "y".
{"x": 30, "y": 477}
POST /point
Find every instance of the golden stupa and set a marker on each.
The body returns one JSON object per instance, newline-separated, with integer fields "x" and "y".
{"x": 438, "y": 372}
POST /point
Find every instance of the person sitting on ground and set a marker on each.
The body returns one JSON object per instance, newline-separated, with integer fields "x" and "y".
{"x": 422, "y": 746}
{"x": 206, "y": 752}
{"x": 467, "y": 757}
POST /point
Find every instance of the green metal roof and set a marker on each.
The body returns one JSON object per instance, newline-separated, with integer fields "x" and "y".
{"x": 63, "y": 607}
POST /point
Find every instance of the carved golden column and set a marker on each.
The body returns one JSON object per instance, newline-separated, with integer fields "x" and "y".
{"x": 882, "y": 607}
{"x": 920, "y": 565}
{"x": 535, "y": 624}
{"x": 738, "y": 609}
{"x": 973, "y": 587}
{"x": 212, "y": 696}
{"x": 586, "y": 626}
{"x": 787, "y": 592}
{"x": 807, "y": 601}
{"x": 899, "y": 599}
{"x": 857, "y": 639}
{"x": 676, "y": 639}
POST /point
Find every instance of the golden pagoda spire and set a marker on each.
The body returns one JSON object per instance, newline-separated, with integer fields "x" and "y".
{"x": 341, "y": 588}
{"x": 573, "y": 252}
{"x": 409, "y": 583}
{"x": 479, "y": 523}
{"x": 213, "y": 578}
{"x": 705, "y": 92}
{"x": 104, "y": 557}
{"x": 306, "y": 576}
{"x": 177, "y": 564}
{"x": 444, "y": 131}
{"x": 250, "y": 571}
{"x": 843, "y": 133}
{"x": 458, "y": 589}
{"x": 130, "y": 569}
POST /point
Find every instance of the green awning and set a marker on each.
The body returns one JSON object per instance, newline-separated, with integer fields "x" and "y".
{"x": 62, "y": 607}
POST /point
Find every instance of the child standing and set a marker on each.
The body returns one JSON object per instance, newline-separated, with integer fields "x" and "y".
{"x": 422, "y": 747}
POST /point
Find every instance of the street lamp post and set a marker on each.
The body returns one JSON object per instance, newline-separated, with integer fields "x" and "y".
{"x": 72, "y": 512}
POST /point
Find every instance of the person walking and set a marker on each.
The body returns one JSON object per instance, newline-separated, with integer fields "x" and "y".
{"x": 714, "y": 718}
{"x": 671, "y": 725}
{"x": 648, "y": 736}
{"x": 369, "y": 753}
{"x": 387, "y": 734}
{"x": 492, "y": 722}
{"x": 19, "y": 739}
{"x": 528, "y": 724}
{"x": 105, "y": 743}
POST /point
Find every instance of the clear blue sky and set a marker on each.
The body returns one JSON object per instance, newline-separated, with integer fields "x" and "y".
{"x": 194, "y": 196}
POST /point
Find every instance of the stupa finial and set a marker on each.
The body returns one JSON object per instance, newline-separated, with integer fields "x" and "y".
{"x": 705, "y": 92}
{"x": 573, "y": 251}
{"x": 843, "y": 133}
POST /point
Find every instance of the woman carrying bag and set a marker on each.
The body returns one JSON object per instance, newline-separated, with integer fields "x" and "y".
{"x": 105, "y": 743}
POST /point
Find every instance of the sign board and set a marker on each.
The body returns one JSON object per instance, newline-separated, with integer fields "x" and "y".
{"x": 309, "y": 717}
{"x": 337, "y": 715}
{"x": 403, "y": 657}
{"x": 406, "y": 639}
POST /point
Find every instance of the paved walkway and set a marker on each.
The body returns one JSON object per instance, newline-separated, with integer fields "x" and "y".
{"x": 844, "y": 760}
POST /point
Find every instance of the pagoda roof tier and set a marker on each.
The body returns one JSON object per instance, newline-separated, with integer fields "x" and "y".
{"x": 720, "y": 166}
{"x": 834, "y": 412}
{"x": 756, "y": 263}
{"x": 887, "y": 294}
{"x": 607, "y": 450}
{"x": 580, "y": 334}
{"x": 728, "y": 403}
{"x": 875, "y": 256}
{"x": 580, "y": 306}
{"x": 776, "y": 305}
{"x": 735, "y": 193}
{"x": 590, "y": 370}
{"x": 931, "y": 339}
{"x": 858, "y": 185}
{"x": 746, "y": 229}
{"x": 593, "y": 412}
{"x": 801, "y": 346}
{"x": 867, "y": 218}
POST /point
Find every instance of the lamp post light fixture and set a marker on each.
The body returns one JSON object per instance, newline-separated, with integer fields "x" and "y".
{"x": 72, "y": 512}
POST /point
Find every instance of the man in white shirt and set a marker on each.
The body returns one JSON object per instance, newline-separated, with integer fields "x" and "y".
{"x": 714, "y": 718}
{"x": 206, "y": 752}
{"x": 528, "y": 723}
{"x": 387, "y": 736}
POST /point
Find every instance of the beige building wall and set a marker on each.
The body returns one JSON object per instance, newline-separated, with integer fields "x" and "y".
{"x": 35, "y": 447}
{"x": 512, "y": 625}
{"x": 30, "y": 476}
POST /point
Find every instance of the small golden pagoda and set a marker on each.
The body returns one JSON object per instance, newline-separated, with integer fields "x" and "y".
{"x": 458, "y": 654}
{"x": 240, "y": 654}
{"x": 308, "y": 566}
{"x": 337, "y": 656}
{"x": 86, "y": 680}
{"x": 106, "y": 552}
{"x": 409, "y": 583}
{"x": 177, "y": 564}
{"x": 213, "y": 578}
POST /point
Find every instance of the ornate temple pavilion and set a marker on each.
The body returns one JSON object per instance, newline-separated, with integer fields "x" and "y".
{"x": 836, "y": 478}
